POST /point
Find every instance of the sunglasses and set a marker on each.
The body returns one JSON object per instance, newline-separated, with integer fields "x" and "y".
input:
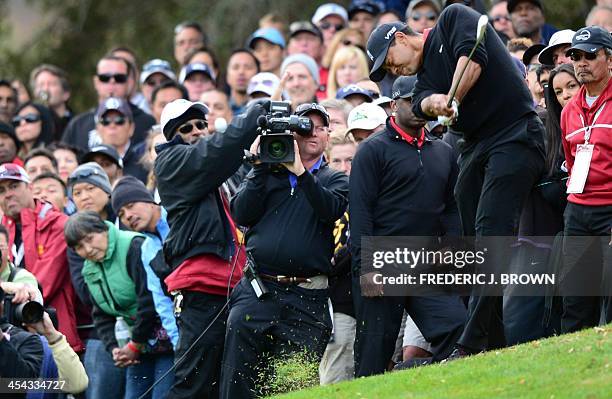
{"x": 117, "y": 77}
{"x": 188, "y": 127}
{"x": 117, "y": 120}
{"x": 265, "y": 82}
{"x": 430, "y": 15}
{"x": 327, "y": 25}
{"x": 302, "y": 108}
{"x": 500, "y": 18}
{"x": 81, "y": 175}
{"x": 577, "y": 56}
{"x": 28, "y": 118}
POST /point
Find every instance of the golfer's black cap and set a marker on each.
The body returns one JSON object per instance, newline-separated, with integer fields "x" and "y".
{"x": 590, "y": 40}
{"x": 378, "y": 45}
{"x": 531, "y": 52}
{"x": 403, "y": 87}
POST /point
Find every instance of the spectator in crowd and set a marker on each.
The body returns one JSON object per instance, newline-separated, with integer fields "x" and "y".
{"x": 348, "y": 66}
{"x": 528, "y": 20}
{"x": 422, "y": 14}
{"x": 48, "y": 187}
{"x": 36, "y": 242}
{"x": 115, "y": 125}
{"x": 378, "y": 165}
{"x": 154, "y": 73}
{"x": 268, "y": 46}
{"x": 16, "y": 280}
{"x": 362, "y": 15}
{"x": 305, "y": 38}
{"x": 241, "y": 67}
{"x": 38, "y": 161}
{"x": 110, "y": 81}
{"x": 535, "y": 89}
{"x": 389, "y": 15}
{"x": 206, "y": 266}
{"x": 517, "y": 46}
{"x": 500, "y": 19}
{"x": 530, "y": 56}
{"x": 187, "y": 35}
{"x": 204, "y": 55}
{"x": 340, "y": 152}
{"x": 34, "y": 127}
{"x": 109, "y": 159}
{"x": 354, "y": 94}
{"x": 155, "y": 138}
{"x": 134, "y": 96}
{"x": 601, "y": 16}
{"x": 8, "y": 101}
{"x": 197, "y": 78}
{"x": 338, "y": 111}
{"x": 554, "y": 53}
{"x": 117, "y": 283}
{"x": 164, "y": 94}
{"x": 220, "y": 114}
{"x": 330, "y": 18}
{"x": 365, "y": 120}
{"x": 9, "y": 144}
{"x": 90, "y": 189}
{"x": 272, "y": 20}
{"x": 589, "y": 207}
{"x": 67, "y": 158}
{"x": 296, "y": 275}
{"x": 264, "y": 84}
{"x": 300, "y": 79}
{"x": 50, "y": 86}
{"x": 345, "y": 37}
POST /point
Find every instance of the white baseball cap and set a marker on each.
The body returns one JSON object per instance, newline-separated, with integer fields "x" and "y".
{"x": 264, "y": 82}
{"x": 178, "y": 112}
{"x": 327, "y": 9}
{"x": 559, "y": 38}
{"x": 366, "y": 116}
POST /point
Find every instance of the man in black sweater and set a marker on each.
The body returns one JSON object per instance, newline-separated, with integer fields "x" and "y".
{"x": 290, "y": 211}
{"x": 401, "y": 185}
{"x": 501, "y": 151}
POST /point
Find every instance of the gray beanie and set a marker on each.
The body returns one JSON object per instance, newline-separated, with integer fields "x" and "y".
{"x": 91, "y": 173}
{"x": 305, "y": 60}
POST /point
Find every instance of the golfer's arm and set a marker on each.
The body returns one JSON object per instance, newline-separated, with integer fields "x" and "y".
{"x": 470, "y": 76}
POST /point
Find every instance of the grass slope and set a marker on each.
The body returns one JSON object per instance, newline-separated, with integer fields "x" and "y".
{"x": 569, "y": 366}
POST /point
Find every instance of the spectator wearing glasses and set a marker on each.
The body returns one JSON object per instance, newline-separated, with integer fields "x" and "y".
{"x": 110, "y": 81}
{"x": 187, "y": 36}
{"x": 34, "y": 127}
{"x": 422, "y": 14}
{"x": 330, "y": 18}
{"x": 500, "y": 19}
{"x": 154, "y": 73}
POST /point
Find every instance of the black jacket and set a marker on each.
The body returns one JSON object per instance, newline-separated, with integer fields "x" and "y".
{"x": 291, "y": 233}
{"x": 398, "y": 190}
{"x": 21, "y": 357}
{"x": 188, "y": 180}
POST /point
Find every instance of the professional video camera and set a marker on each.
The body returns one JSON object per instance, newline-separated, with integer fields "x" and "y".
{"x": 276, "y": 142}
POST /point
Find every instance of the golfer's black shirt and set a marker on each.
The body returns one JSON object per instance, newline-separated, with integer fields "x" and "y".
{"x": 499, "y": 97}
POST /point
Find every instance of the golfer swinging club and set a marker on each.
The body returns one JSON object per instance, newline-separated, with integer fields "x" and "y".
{"x": 502, "y": 151}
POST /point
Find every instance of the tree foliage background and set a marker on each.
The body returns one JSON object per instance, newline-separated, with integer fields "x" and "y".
{"x": 77, "y": 33}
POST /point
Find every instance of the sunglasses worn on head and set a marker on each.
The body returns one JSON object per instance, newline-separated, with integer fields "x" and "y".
{"x": 188, "y": 127}
{"x": 81, "y": 175}
{"x": 430, "y": 15}
{"x": 117, "y": 77}
{"x": 577, "y": 56}
{"x": 28, "y": 118}
{"x": 327, "y": 25}
{"x": 310, "y": 107}
{"x": 117, "y": 120}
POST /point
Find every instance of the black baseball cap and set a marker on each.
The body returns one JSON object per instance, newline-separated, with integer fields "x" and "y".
{"x": 307, "y": 108}
{"x": 590, "y": 40}
{"x": 531, "y": 52}
{"x": 378, "y": 45}
{"x": 304, "y": 26}
{"x": 371, "y": 7}
{"x": 403, "y": 87}
{"x": 513, "y": 3}
{"x": 106, "y": 150}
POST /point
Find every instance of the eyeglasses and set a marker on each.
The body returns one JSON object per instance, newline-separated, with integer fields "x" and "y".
{"x": 156, "y": 82}
{"x": 577, "y": 56}
{"x": 430, "y": 15}
{"x": 328, "y": 25}
{"x": 28, "y": 118}
{"x": 117, "y": 120}
{"x": 499, "y": 18}
{"x": 117, "y": 77}
{"x": 188, "y": 127}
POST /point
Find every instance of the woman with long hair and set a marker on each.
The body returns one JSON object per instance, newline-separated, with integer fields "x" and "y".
{"x": 34, "y": 126}
{"x": 342, "y": 38}
{"x": 348, "y": 66}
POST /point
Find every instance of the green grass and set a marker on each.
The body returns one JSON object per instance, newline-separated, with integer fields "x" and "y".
{"x": 569, "y": 366}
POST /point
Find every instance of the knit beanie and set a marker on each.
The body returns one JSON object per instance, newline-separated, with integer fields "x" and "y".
{"x": 305, "y": 60}
{"x": 127, "y": 190}
{"x": 91, "y": 173}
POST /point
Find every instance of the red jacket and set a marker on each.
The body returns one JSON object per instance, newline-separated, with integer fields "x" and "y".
{"x": 42, "y": 232}
{"x": 598, "y": 188}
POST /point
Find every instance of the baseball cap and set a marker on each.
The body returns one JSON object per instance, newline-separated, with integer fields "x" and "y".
{"x": 366, "y": 116}
{"x": 382, "y": 100}
{"x": 91, "y": 173}
{"x": 350, "y": 90}
{"x": 304, "y": 26}
{"x": 371, "y": 7}
{"x": 378, "y": 46}
{"x": 328, "y": 9}
{"x": 193, "y": 68}
{"x": 513, "y": 3}
{"x": 104, "y": 150}
{"x": 307, "y": 108}
{"x": 157, "y": 66}
{"x": 531, "y": 52}
{"x": 590, "y": 39}
{"x": 12, "y": 171}
{"x": 113, "y": 104}
{"x": 415, "y": 3}
{"x": 264, "y": 82}
{"x": 559, "y": 38}
{"x": 178, "y": 112}
{"x": 403, "y": 87}
{"x": 268, "y": 34}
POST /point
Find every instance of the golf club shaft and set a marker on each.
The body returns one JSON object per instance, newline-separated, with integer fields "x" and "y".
{"x": 456, "y": 85}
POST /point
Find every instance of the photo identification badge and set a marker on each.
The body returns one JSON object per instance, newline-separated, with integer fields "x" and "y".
{"x": 580, "y": 171}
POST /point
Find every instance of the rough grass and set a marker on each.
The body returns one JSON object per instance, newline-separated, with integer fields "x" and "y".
{"x": 568, "y": 366}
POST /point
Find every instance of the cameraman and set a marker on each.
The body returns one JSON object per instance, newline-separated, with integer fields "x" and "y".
{"x": 290, "y": 212}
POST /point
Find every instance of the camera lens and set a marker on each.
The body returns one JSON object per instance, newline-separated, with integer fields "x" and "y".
{"x": 32, "y": 312}
{"x": 277, "y": 149}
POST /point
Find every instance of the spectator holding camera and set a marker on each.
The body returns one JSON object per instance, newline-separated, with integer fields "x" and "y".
{"x": 290, "y": 212}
